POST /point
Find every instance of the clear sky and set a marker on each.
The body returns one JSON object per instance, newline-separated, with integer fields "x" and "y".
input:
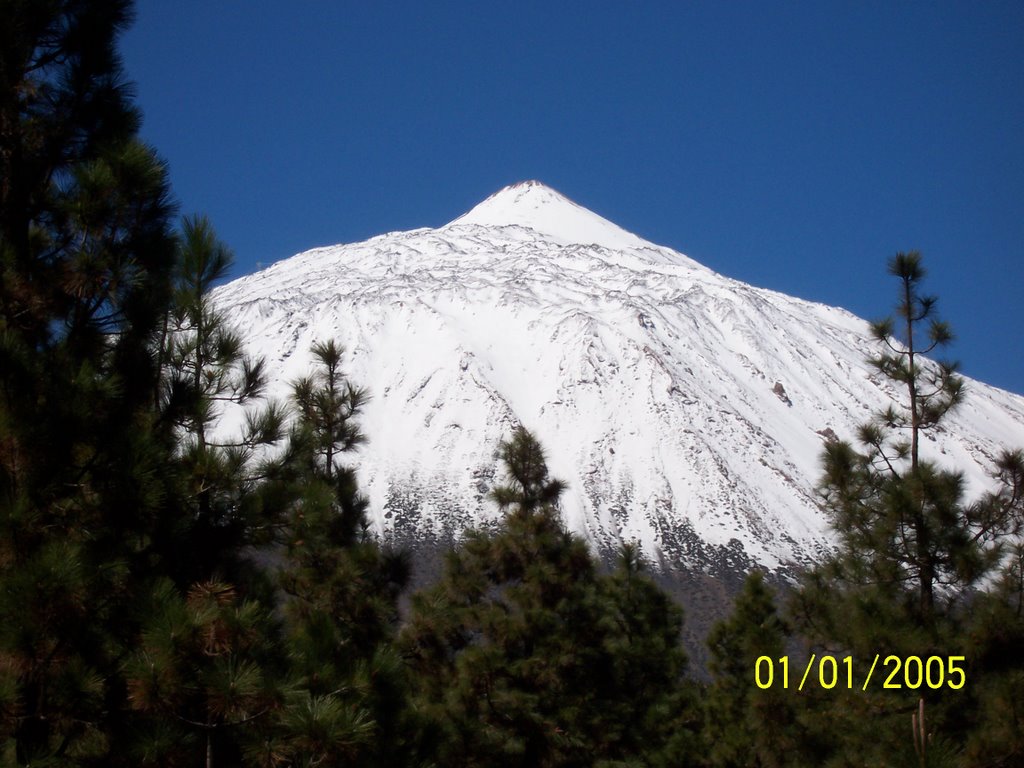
{"x": 792, "y": 145}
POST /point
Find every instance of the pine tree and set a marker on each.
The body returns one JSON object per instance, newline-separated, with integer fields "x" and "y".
{"x": 85, "y": 258}
{"x": 912, "y": 553}
{"x": 346, "y": 699}
{"x": 904, "y": 528}
{"x": 887, "y": 499}
{"x": 932, "y": 390}
{"x": 206, "y": 377}
{"x": 528, "y": 488}
{"x": 328, "y": 404}
{"x": 524, "y": 655}
{"x": 652, "y": 705}
{"x": 748, "y": 725}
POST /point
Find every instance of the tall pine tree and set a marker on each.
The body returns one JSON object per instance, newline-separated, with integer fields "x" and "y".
{"x": 85, "y": 258}
{"x": 207, "y": 378}
{"x": 912, "y": 553}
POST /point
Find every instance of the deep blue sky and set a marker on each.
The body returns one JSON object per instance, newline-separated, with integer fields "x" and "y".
{"x": 792, "y": 145}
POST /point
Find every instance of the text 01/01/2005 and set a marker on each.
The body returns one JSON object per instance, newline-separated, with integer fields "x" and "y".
{"x": 897, "y": 672}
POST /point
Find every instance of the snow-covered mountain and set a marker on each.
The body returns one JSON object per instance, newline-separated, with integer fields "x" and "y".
{"x": 685, "y": 410}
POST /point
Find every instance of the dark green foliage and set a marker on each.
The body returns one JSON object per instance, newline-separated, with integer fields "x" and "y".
{"x": 206, "y": 374}
{"x": 995, "y": 649}
{"x": 917, "y": 508}
{"x": 200, "y": 672}
{"x": 205, "y": 366}
{"x": 85, "y": 258}
{"x": 345, "y": 703}
{"x": 83, "y": 206}
{"x": 932, "y": 388}
{"x": 913, "y": 572}
{"x": 134, "y": 596}
{"x": 904, "y": 529}
{"x": 529, "y": 488}
{"x": 747, "y": 725}
{"x": 658, "y": 705}
{"x": 328, "y": 404}
{"x": 525, "y": 655}
{"x": 338, "y": 574}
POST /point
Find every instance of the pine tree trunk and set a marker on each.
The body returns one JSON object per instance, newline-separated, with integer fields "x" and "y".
{"x": 926, "y": 568}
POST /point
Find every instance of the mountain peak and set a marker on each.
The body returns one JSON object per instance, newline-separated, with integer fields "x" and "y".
{"x": 686, "y": 411}
{"x": 534, "y": 205}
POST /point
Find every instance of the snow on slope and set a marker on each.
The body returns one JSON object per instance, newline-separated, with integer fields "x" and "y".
{"x": 686, "y": 411}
